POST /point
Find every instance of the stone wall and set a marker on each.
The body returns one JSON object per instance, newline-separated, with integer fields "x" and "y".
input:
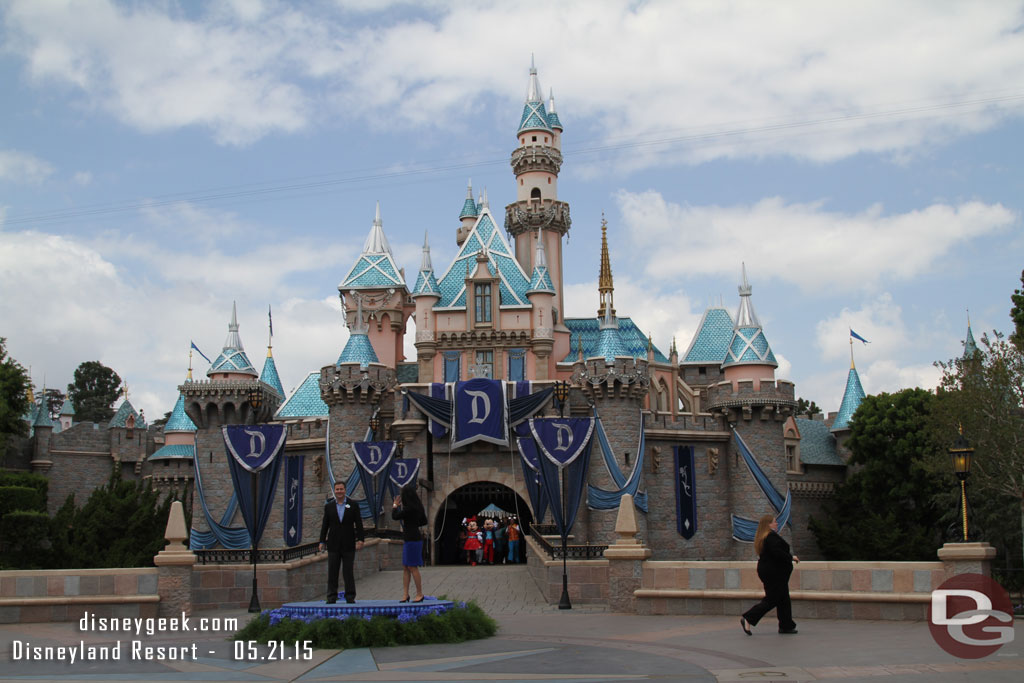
{"x": 587, "y": 579}
{"x": 66, "y": 594}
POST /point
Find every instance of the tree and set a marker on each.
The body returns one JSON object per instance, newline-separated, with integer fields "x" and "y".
{"x": 1017, "y": 315}
{"x": 984, "y": 396}
{"x": 808, "y": 408}
{"x": 887, "y": 508}
{"x": 55, "y": 399}
{"x": 94, "y": 391}
{"x": 14, "y": 403}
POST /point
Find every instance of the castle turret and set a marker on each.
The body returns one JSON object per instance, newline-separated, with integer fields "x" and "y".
{"x": 852, "y": 397}
{"x": 269, "y": 374}
{"x": 426, "y": 295}
{"x": 970, "y": 346}
{"x": 377, "y": 284}
{"x": 232, "y": 363}
{"x": 468, "y": 215}
{"x": 749, "y": 356}
{"x": 541, "y": 295}
{"x": 42, "y": 429}
{"x": 536, "y": 163}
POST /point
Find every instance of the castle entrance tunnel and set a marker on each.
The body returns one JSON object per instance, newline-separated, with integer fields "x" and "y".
{"x": 470, "y": 500}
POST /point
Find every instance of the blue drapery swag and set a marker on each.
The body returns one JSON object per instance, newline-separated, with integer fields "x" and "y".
{"x": 438, "y": 390}
{"x": 600, "y": 499}
{"x": 294, "y": 466}
{"x": 564, "y": 446}
{"x": 232, "y": 538}
{"x": 254, "y": 450}
{"x": 686, "y": 492}
{"x": 373, "y": 460}
{"x": 532, "y": 477}
{"x": 403, "y": 471}
{"x": 352, "y": 482}
{"x": 743, "y": 530}
{"x": 518, "y": 410}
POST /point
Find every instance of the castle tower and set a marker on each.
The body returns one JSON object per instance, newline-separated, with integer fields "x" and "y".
{"x": 377, "y": 284}
{"x": 541, "y": 295}
{"x": 970, "y": 346}
{"x": 536, "y": 163}
{"x": 426, "y": 294}
{"x": 756, "y": 405}
{"x": 179, "y": 450}
{"x": 269, "y": 375}
{"x": 67, "y": 415}
{"x": 233, "y": 394}
{"x": 467, "y": 217}
{"x": 42, "y": 428}
{"x": 605, "y": 284}
{"x": 852, "y": 397}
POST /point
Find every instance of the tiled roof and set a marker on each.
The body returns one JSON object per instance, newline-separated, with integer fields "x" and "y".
{"x": 269, "y": 375}
{"x": 42, "y": 414}
{"x": 180, "y": 450}
{"x": 120, "y": 418}
{"x": 358, "y": 349}
{"x": 469, "y": 208}
{"x": 232, "y": 360}
{"x": 541, "y": 281}
{"x": 179, "y": 421}
{"x": 513, "y": 282}
{"x": 749, "y": 347}
{"x": 426, "y": 283}
{"x": 817, "y": 445}
{"x": 305, "y": 401}
{"x": 970, "y": 346}
{"x": 852, "y": 397}
{"x": 711, "y": 343}
{"x": 553, "y": 121}
{"x": 589, "y": 331}
{"x": 610, "y": 344}
{"x": 68, "y": 408}
{"x": 535, "y": 117}
{"x": 373, "y": 271}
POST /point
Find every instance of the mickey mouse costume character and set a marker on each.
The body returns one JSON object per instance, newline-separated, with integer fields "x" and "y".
{"x": 342, "y": 533}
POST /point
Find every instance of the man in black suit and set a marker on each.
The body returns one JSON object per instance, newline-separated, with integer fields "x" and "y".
{"x": 342, "y": 532}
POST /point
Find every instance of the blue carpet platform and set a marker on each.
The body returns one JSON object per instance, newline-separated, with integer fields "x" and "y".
{"x": 319, "y": 609}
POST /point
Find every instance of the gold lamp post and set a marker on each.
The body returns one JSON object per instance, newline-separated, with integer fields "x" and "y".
{"x": 255, "y": 401}
{"x": 961, "y": 453}
{"x": 562, "y": 395}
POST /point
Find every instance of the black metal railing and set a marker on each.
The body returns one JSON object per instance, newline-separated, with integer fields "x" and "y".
{"x": 572, "y": 552}
{"x": 278, "y": 555}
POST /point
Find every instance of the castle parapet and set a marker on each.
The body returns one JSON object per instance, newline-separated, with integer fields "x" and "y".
{"x": 352, "y": 383}
{"x": 530, "y": 214}
{"x": 624, "y": 377}
{"x": 774, "y": 398}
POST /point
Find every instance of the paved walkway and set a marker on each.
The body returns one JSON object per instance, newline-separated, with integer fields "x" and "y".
{"x": 537, "y": 642}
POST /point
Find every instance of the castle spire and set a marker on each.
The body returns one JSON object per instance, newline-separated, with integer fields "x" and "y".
{"x": 749, "y": 346}
{"x": 469, "y": 206}
{"x": 426, "y": 282}
{"x": 232, "y": 358}
{"x": 605, "y": 286}
{"x": 375, "y": 268}
{"x": 541, "y": 279}
{"x": 970, "y": 346}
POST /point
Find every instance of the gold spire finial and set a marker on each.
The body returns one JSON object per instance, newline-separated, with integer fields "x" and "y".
{"x": 852, "y": 366}
{"x": 189, "y": 378}
{"x": 605, "y": 286}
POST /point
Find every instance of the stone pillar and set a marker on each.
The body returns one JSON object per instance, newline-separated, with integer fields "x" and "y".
{"x": 625, "y": 559}
{"x": 967, "y": 558}
{"x": 174, "y": 567}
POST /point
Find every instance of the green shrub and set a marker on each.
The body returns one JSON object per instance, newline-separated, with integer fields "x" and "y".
{"x": 457, "y": 625}
{"x": 25, "y": 533}
{"x": 28, "y": 479}
{"x": 21, "y": 498}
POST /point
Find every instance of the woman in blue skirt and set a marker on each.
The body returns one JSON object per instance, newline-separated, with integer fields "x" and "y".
{"x": 409, "y": 510}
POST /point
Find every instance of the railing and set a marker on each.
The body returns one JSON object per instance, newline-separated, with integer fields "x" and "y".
{"x": 572, "y": 552}
{"x": 1013, "y": 581}
{"x": 277, "y": 555}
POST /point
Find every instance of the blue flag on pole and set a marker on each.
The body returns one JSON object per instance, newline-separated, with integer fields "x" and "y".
{"x": 200, "y": 352}
{"x": 858, "y": 337}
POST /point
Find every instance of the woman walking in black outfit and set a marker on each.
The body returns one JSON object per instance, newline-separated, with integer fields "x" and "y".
{"x": 774, "y": 566}
{"x": 409, "y": 510}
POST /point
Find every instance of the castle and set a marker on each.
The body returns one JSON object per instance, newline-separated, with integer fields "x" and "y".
{"x": 496, "y": 311}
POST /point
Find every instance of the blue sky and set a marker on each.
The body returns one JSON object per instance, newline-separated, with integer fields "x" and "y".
{"x": 159, "y": 160}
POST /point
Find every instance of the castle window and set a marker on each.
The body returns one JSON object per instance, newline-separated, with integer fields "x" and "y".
{"x": 545, "y": 139}
{"x": 451, "y": 366}
{"x": 534, "y": 138}
{"x": 486, "y": 359}
{"x": 516, "y": 365}
{"x": 549, "y": 181}
{"x": 482, "y": 301}
{"x": 792, "y": 458}
{"x": 535, "y": 193}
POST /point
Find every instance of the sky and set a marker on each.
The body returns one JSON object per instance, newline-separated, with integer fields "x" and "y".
{"x": 161, "y": 160}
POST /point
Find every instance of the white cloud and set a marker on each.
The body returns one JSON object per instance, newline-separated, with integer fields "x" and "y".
{"x": 826, "y": 81}
{"x": 804, "y": 244}
{"x": 22, "y": 167}
{"x": 83, "y": 178}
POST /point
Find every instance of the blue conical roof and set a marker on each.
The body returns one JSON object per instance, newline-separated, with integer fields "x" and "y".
{"x": 748, "y": 345}
{"x": 375, "y": 268}
{"x": 125, "y": 410}
{"x": 714, "y": 334}
{"x": 42, "y": 416}
{"x": 305, "y": 401}
{"x": 469, "y": 209}
{"x": 179, "y": 421}
{"x": 426, "y": 283}
{"x": 535, "y": 117}
{"x": 269, "y": 374}
{"x": 358, "y": 349}
{"x": 540, "y": 282}
{"x": 610, "y": 342}
{"x": 852, "y": 397}
{"x": 970, "y": 346}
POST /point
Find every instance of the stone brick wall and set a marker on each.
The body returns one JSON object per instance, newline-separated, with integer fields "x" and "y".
{"x": 587, "y": 579}
{"x": 66, "y": 594}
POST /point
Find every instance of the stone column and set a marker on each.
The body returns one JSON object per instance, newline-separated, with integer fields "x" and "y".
{"x": 967, "y": 558}
{"x": 625, "y": 559}
{"x": 174, "y": 567}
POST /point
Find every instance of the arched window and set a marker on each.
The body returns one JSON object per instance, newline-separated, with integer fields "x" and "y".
{"x": 535, "y": 193}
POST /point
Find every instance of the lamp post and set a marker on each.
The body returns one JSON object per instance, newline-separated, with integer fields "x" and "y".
{"x": 255, "y": 401}
{"x": 374, "y": 426}
{"x": 961, "y": 454}
{"x": 562, "y": 395}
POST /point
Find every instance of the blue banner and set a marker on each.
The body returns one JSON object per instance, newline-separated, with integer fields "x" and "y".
{"x": 438, "y": 390}
{"x": 253, "y": 450}
{"x": 531, "y": 477}
{"x": 562, "y": 439}
{"x": 686, "y": 492}
{"x": 373, "y": 459}
{"x": 403, "y": 471}
{"x": 564, "y": 460}
{"x": 294, "y": 465}
{"x": 479, "y": 407}
{"x": 254, "y": 446}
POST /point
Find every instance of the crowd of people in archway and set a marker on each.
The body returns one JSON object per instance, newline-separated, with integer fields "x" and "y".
{"x": 483, "y": 540}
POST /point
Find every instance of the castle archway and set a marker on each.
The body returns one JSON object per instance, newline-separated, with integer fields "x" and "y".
{"x": 466, "y": 501}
